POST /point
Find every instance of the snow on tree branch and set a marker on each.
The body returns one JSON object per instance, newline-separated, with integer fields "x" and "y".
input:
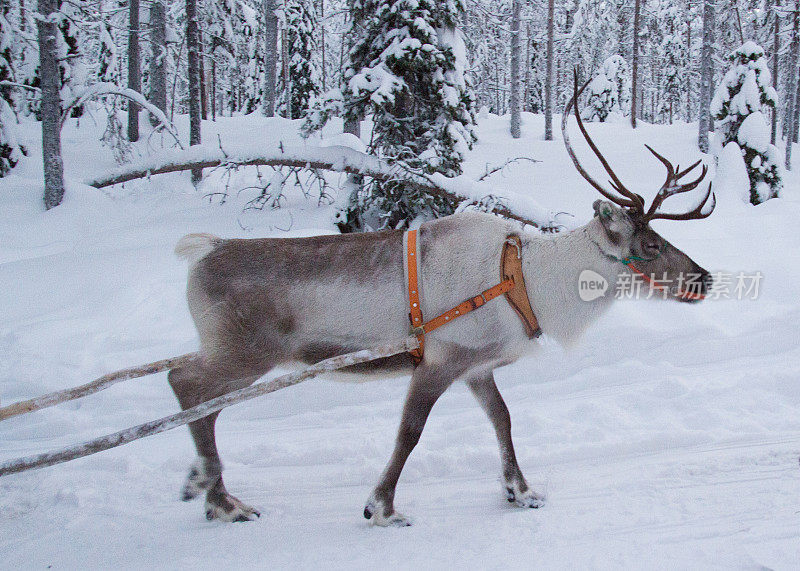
{"x": 460, "y": 189}
{"x": 101, "y": 89}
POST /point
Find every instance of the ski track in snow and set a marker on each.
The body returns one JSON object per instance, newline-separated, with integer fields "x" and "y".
{"x": 667, "y": 438}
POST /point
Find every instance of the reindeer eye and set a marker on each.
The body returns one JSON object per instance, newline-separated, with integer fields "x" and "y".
{"x": 652, "y": 246}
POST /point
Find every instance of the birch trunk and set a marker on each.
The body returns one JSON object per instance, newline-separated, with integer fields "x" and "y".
{"x": 51, "y": 104}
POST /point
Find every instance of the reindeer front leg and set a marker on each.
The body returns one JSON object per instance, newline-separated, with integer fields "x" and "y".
{"x": 427, "y": 385}
{"x": 517, "y": 490}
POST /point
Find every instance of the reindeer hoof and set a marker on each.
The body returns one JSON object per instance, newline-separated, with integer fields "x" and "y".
{"x": 526, "y": 499}
{"x": 374, "y": 512}
{"x": 231, "y": 510}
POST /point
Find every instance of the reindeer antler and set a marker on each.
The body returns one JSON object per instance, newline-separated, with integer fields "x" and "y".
{"x": 630, "y": 199}
{"x": 671, "y": 187}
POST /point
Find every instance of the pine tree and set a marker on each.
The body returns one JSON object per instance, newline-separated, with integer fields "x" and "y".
{"x": 304, "y": 77}
{"x": 739, "y": 104}
{"x": 10, "y": 150}
{"x": 406, "y": 71}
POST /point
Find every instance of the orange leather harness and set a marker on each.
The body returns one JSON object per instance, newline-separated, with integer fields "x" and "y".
{"x": 512, "y": 285}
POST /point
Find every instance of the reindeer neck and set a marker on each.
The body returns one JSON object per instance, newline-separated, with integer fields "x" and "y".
{"x": 553, "y": 267}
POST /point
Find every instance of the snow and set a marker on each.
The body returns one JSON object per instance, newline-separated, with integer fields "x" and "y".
{"x": 668, "y": 438}
{"x": 732, "y": 179}
{"x": 754, "y": 132}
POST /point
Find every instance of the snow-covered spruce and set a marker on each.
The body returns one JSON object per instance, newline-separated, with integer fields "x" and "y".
{"x": 304, "y": 77}
{"x": 406, "y": 71}
{"x": 739, "y": 104}
{"x": 10, "y": 150}
{"x": 610, "y": 91}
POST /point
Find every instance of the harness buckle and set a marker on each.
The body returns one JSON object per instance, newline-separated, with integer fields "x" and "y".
{"x": 419, "y": 331}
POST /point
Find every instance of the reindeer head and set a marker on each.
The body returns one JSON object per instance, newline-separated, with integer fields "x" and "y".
{"x": 625, "y": 221}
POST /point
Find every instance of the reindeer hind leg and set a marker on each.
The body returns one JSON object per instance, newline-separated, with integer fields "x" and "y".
{"x": 194, "y": 384}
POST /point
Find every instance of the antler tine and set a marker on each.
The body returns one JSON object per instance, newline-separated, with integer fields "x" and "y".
{"x": 694, "y": 214}
{"x": 633, "y": 201}
{"x": 684, "y": 172}
{"x": 671, "y": 186}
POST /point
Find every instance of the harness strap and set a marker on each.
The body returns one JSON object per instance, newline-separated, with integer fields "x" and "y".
{"x": 414, "y": 307}
{"x": 511, "y": 272}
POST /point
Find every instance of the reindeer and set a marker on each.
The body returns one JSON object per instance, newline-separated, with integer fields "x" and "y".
{"x": 260, "y": 303}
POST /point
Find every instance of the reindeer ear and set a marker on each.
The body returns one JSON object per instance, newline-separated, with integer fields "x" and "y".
{"x": 615, "y": 221}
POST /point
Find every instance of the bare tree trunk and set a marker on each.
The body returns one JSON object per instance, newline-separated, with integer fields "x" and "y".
{"x": 51, "y": 104}
{"x": 689, "y": 70}
{"x": 203, "y": 87}
{"x": 776, "y": 44}
{"x": 706, "y": 75}
{"x": 548, "y": 84}
{"x": 791, "y": 88}
{"x": 514, "y": 103}
{"x": 637, "y": 8}
{"x": 796, "y": 112}
{"x": 270, "y": 56}
{"x": 194, "y": 81}
{"x": 321, "y": 16}
{"x": 213, "y": 89}
{"x": 526, "y": 90}
{"x": 134, "y": 72}
{"x": 497, "y": 82}
{"x": 158, "y": 57}
{"x": 287, "y": 79}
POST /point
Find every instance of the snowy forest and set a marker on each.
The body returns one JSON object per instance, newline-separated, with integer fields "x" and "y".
{"x": 420, "y": 71}
{"x": 319, "y": 145}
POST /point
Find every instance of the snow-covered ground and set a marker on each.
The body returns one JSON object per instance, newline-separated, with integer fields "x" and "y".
{"x": 668, "y": 438}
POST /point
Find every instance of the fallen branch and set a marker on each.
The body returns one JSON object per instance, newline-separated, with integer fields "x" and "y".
{"x": 202, "y": 410}
{"x": 458, "y": 189}
{"x": 52, "y": 399}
